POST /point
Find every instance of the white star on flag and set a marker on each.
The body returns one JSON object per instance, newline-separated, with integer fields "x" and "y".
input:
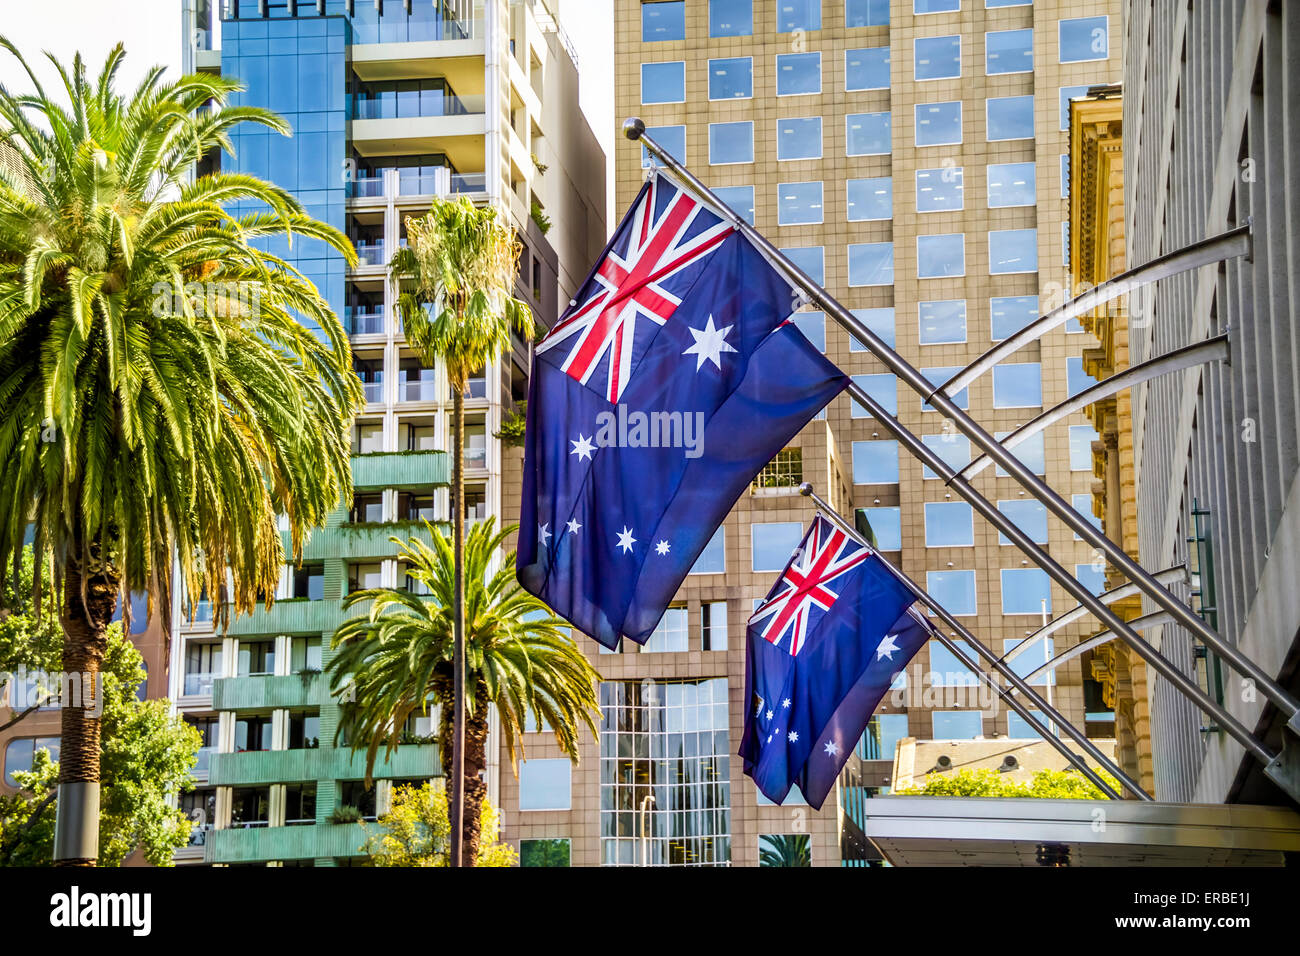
{"x": 625, "y": 539}
{"x": 574, "y": 527}
{"x": 887, "y": 648}
{"x": 662, "y": 548}
{"x": 543, "y": 534}
{"x": 832, "y": 748}
{"x": 769, "y": 715}
{"x": 792, "y": 736}
{"x": 786, "y": 702}
{"x": 582, "y": 447}
{"x": 709, "y": 345}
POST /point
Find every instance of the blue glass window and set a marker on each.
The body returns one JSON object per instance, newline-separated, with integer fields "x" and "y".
{"x": 813, "y": 327}
{"x": 870, "y": 199}
{"x": 1011, "y": 313}
{"x": 875, "y": 462}
{"x": 1091, "y": 576}
{"x": 1009, "y": 117}
{"x": 1081, "y": 439}
{"x": 883, "y": 387}
{"x": 1085, "y": 38}
{"x": 662, "y": 21}
{"x": 887, "y": 526}
{"x": 544, "y": 784}
{"x": 799, "y": 138}
{"x": 731, "y": 78}
{"x": 1012, "y": 184}
{"x": 938, "y": 124}
{"x": 866, "y": 69}
{"x": 799, "y": 203}
{"x": 936, "y": 6}
{"x": 1031, "y": 453}
{"x": 949, "y": 524}
{"x": 937, "y": 58}
{"x": 713, "y": 559}
{"x": 1017, "y": 385}
{"x": 1083, "y": 505}
{"x": 990, "y": 4}
{"x": 671, "y": 138}
{"x": 663, "y": 82}
{"x": 947, "y": 671}
{"x": 731, "y": 18}
{"x": 1024, "y": 590}
{"x": 942, "y": 322}
{"x": 811, "y": 259}
{"x": 879, "y": 321}
{"x": 957, "y": 724}
{"x": 952, "y": 449}
{"x": 1068, "y": 93}
{"x": 798, "y": 73}
{"x": 731, "y": 143}
{"x": 866, "y": 13}
{"x": 940, "y": 189}
{"x": 940, "y": 257}
{"x": 954, "y": 590}
{"x": 1009, "y": 51}
{"x": 871, "y": 263}
{"x": 772, "y": 543}
{"x": 1076, "y": 379}
{"x": 937, "y": 376}
{"x": 1026, "y": 514}
{"x": 867, "y": 134}
{"x": 739, "y": 199}
{"x": 1012, "y": 251}
{"x": 1019, "y": 729}
{"x": 794, "y": 15}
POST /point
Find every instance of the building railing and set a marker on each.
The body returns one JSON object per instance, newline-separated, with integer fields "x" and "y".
{"x": 419, "y": 391}
{"x": 419, "y": 103}
{"x": 416, "y": 182}
{"x": 199, "y": 683}
{"x": 370, "y": 252}
{"x": 363, "y": 321}
{"x": 366, "y": 187}
{"x": 462, "y": 183}
{"x": 374, "y": 391}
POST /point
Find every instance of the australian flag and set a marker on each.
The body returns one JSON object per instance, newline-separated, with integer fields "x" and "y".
{"x": 667, "y": 385}
{"x": 822, "y": 649}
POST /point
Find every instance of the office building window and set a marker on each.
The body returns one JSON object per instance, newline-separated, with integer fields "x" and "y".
{"x": 935, "y": 6}
{"x": 1024, "y": 591}
{"x": 772, "y": 543}
{"x": 938, "y": 124}
{"x": 669, "y": 636}
{"x": 663, "y": 82}
{"x": 880, "y": 739}
{"x": 875, "y": 463}
{"x": 739, "y": 199}
{"x": 799, "y": 204}
{"x": 811, "y": 259}
{"x": 544, "y": 852}
{"x": 870, "y": 199}
{"x": 731, "y": 18}
{"x": 1017, "y": 385}
{"x": 255, "y": 658}
{"x": 871, "y": 263}
{"x": 799, "y": 138}
{"x": 879, "y": 321}
{"x": 21, "y": 751}
{"x": 1013, "y": 251}
{"x": 866, "y": 69}
{"x": 886, "y": 525}
{"x": 942, "y": 322}
{"x": 882, "y": 387}
{"x": 545, "y": 784}
{"x": 1076, "y": 379}
{"x": 939, "y": 190}
{"x": 1009, "y": 51}
{"x": 813, "y": 327}
{"x": 1020, "y": 729}
{"x": 866, "y": 13}
{"x": 1011, "y": 184}
{"x": 1081, "y": 439}
{"x": 867, "y": 134}
{"x": 1026, "y": 514}
{"x": 731, "y": 78}
{"x": 671, "y": 138}
{"x": 1083, "y": 505}
{"x": 991, "y": 4}
{"x": 1029, "y": 453}
{"x": 713, "y": 559}
{"x": 1068, "y": 93}
{"x": 1065, "y": 175}
{"x": 713, "y": 626}
{"x": 661, "y": 21}
{"x": 1032, "y": 658}
{"x": 731, "y": 143}
{"x": 1085, "y": 38}
{"x": 794, "y": 15}
{"x": 1009, "y": 314}
{"x": 953, "y": 449}
{"x": 940, "y": 257}
{"x": 957, "y": 724}
{"x": 798, "y": 73}
{"x": 949, "y": 524}
{"x": 937, "y": 58}
{"x": 946, "y": 670}
{"x": 937, "y": 376}
{"x": 1009, "y": 117}
{"x": 668, "y": 741}
{"x": 954, "y": 590}
{"x": 1091, "y": 576}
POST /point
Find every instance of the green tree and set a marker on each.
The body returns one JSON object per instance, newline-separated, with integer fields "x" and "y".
{"x": 784, "y": 849}
{"x": 31, "y": 640}
{"x": 394, "y": 659}
{"x": 414, "y": 832}
{"x": 165, "y": 394}
{"x": 1067, "y": 784}
{"x": 148, "y": 754}
{"x": 461, "y": 261}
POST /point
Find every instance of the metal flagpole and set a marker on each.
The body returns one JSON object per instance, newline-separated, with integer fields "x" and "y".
{"x": 1007, "y": 673}
{"x": 634, "y": 129}
{"x": 1274, "y": 765}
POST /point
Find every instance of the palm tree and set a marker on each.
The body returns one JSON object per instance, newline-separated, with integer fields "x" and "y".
{"x": 785, "y": 849}
{"x": 161, "y": 396}
{"x": 460, "y": 260}
{"x": 394, "y": 659}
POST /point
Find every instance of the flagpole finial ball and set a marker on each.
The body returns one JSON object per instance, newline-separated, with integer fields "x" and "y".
{"x": 806, "y": 489}
{"x": 633, "y": 128}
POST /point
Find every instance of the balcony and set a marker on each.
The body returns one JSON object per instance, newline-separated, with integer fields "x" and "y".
{"x": 199, "y": 683}
{"x": 283, "y": 843}
{"x": 355, "y": 542}
{"x": 289, "y": 617}
{"x": 364, "y": 320}
{"x": 374, "y": 392}
{"x": 402, "y": 470}
{"x": 415, "y": 103}
{"x": 417, "y": 390}
{"x": 370, "y": 252}
{"x": 463, "y": 184}
{"x": 263, "y": 767}
{"x": 264, "y": 693}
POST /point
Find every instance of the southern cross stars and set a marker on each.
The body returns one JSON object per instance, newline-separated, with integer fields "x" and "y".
{"x": 544, "y": 534}
{"x": 662, "y": 548}
{"x": 625, "y": 539}
{"x": 792, "y": 736}
{"x": 582, "y": 447}
{"x": 709, "y": 345}
{"x": 832, "y": 748}
{"x": 574, "y": 527}
{"x": 886, "y": 648}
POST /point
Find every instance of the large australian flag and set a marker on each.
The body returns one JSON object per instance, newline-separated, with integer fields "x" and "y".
{"x": 667, "y": 385}
{"x": 822, "y": 650}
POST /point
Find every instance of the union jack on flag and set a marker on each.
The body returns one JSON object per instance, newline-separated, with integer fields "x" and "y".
{"x": 636, "y": 287}
{"x": 805, "y": 591}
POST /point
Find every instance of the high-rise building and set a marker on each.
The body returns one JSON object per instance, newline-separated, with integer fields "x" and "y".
{"x": 847, "y": 132}
{"x": 392, "y": 103}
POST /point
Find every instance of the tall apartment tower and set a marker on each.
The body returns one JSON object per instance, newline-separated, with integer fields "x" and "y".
{"x": 392, "y": 102}
{"x": 911, "y": 155}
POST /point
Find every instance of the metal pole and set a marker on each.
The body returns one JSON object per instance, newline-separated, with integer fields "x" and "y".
{"x": 634, "y": 129}
{"x": 1007, "y": 673}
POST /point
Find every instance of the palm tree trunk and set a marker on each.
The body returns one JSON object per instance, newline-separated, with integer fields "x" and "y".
{"x": 76, "y": 829}
{"x": 456, "y": 773}
{"x": 475, "y": 789}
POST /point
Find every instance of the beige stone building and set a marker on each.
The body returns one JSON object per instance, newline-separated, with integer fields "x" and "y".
{"x": 912, "y": 154}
